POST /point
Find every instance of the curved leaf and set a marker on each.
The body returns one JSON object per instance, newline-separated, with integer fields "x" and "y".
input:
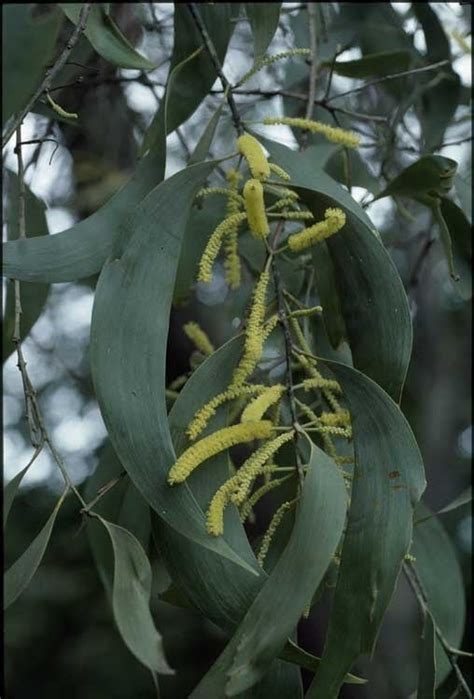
{"x": 263, "y": 18}
{"x": 106, "y": 37}
{"x": 371, "y": 295}
{"x": 388, "y": 482}
{"x": 33, "y": 296}
{"x": 10, "y": 490}
{"x": 201, "y": 150}
{"x": 131, "y": 599}
{"x": 27, "y": 50}
{"x": 19, "y": 575}
{"x": 440, "y": 574}
{"x": 263, "y": 633}
{"x": 197, "y": 78}
{"x": 382, "y": 63}
{"x": 430, "y": 174}
{"x": 128, "y": 345}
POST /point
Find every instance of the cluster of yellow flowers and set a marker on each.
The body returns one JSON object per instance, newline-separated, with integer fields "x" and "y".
{"x": 246, "y": 203}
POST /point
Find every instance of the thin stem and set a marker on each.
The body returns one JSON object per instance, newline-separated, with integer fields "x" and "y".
{"x": 402, "y": 74}
{"x": 52, "y": 72}
{"x": 416, "y": 585}
{"x": 103, "y": 491}
{"x": 314, "y": 67}
{"x": 217, "y": 64}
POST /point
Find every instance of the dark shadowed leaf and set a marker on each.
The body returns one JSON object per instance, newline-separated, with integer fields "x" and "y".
{"x": 388, "y": 482}
{"x": 440, "y": 574}
{"x": 196, "y": 79}
{"x": 201, "y": 150}
{"x": 33, "y": 296}
{"x": 131, "y": 599}
{"x": 325, "y": 278}
{"x": 19, "y": 575}
{"x": 376, "y": 64}
{"x": 106, "y": 37}
{"x": 27, "y": 50}
{"x": 10, "y": 490}
{"x": 263, "y": 18}
{"x": 431, "y": 174}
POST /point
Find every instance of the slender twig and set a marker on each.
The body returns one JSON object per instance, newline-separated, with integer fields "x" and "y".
{"x": 314, "y": 68}
{"x": 422, "y": 256}
{"x": 416, "y": 585}
{"x": 377, "y": 81}
{"x": 210, "y": 48}
{"x": 103, "y": 491}
{"x": 50, "y": 74}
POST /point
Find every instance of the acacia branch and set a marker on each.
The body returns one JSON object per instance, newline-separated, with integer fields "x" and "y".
{"x": 52, "y": 72}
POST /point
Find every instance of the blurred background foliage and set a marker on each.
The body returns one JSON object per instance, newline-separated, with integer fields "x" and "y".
{"x": 60, "y": 637}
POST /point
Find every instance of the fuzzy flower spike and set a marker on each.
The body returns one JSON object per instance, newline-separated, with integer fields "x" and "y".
{"x": 250, "y": 148}
{"x": 334, "y": 220}
{"x": 334, "y": 134}
{"x": 255, "y": 208}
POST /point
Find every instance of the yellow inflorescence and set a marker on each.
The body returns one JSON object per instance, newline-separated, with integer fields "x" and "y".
{"x": 334, "y": 221}
{"x": 254, "y": 338}
{"x": 320, "y": 382}
{"x": 214, "y": 444}
{"x": 341, "y": 417}
{"x": 268, "y": 60}
{"x": 255, "y": 208}
{"x": 236, "y": 488}
{"x": 203, "y": 415}
{"x": 263, "y": 490}
{"x": 253, "y": 153}
{"x": 276, "y": 519}
{"x": 257, "y": 408}
{"x": 199, "y": 337}
{"x": 232, "y": 264}
{"x": 295, "y": 215}
{"x": 332, "y": 133}
{"x": 214, "y": 245}
{"x": 231, "y": 194}
{"x": 282, "y": 203}
{"x": 279, "y": 171}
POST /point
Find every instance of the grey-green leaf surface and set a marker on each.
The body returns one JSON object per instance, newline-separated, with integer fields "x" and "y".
{"x": 33, "y": 296}
{"x": 371, "y": 294}
{"x": 441, "y": 576}
{"x": 459, "y": 236}
{"x": 427, "y": 668}
{"x": 376, "y": 64}
{"x": 263, "y": 632}
{"x": 106, "y": 37}
{"x": 325, "y": 278}
{"x": 131, "y": 599}
{"x": 19, "y": 575}
{"x": 263, "y": 18}
{"x": 128, "y": 345}
{"x": 9, "y": 492}
{"x": 201, "y": 150}
{"x": 388, "y": 482}
{"x": 27, "y": 50}
{"x": 196, "y": 79}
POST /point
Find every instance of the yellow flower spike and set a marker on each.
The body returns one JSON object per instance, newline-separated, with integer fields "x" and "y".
{"x": 279, "y": 171}
{"x": 255, "y": 464}
{"x": 214, "y": 444}
{"x": 268, "y": 60}
{"x": 258, "y": 495}
{"x": 320, "y": 382}
{"x": 236, "y": 488}
{"x": 270, "y": 326}
{"x": 250, "y": 148}
{"x": 255, "y": 208}
{"x": 334, "y": 134}
{"x": 276, "y": 519}
{"x": 282, "y": 203}
{"x": 214, "y": 245}
{"x": 335, "y": 219}
{"x": 293, "y": 215}
{"x": 202, "y": 417}
{"x": 256, "y": 409}
{"x": 232, "y": 265}
{"x": 281, "y": 191}
{"x": 199, "y": 337}
{"x": 341, "y": 417}
{"x": 254, "y": 333}
{"x": 234, "y": 196}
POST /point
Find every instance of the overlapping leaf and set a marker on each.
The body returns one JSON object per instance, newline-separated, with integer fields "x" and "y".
{"x": 19, "y": 575}
{"x": 106, "y": 37}
{"x": 388, "y": 482}
{"x": 128, "y": 346}
{"x": 263, "y": 632}
{"x": 376, "y": 64}
{"x": 27, "y": 50}
{"x": 371, "y": 295}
